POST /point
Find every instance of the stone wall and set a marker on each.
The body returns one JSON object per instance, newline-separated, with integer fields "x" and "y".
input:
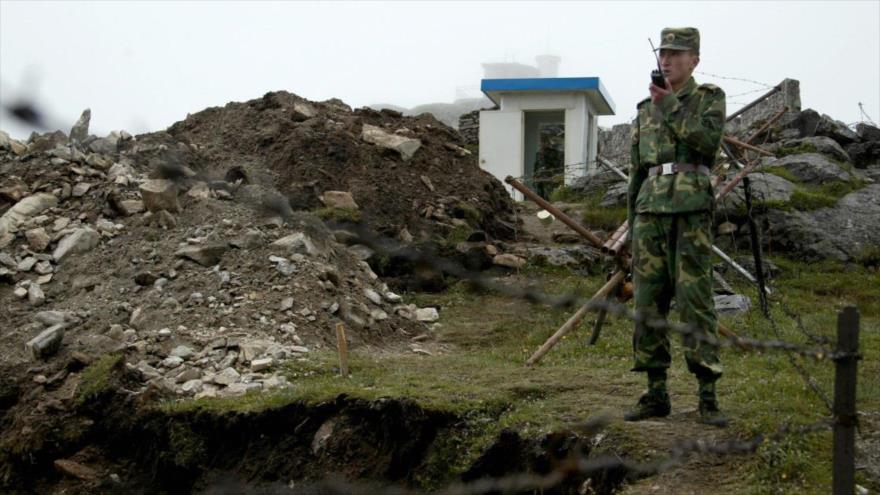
{"x": 469, "y": 127}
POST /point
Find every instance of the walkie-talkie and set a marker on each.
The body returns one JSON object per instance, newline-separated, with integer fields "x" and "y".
{"x": 657, "y": 75}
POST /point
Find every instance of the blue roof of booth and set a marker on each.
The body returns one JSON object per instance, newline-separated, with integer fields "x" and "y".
{"x": 590, "y": 85}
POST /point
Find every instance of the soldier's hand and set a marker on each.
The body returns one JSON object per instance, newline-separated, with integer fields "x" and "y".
{"x": 658, "y": 93}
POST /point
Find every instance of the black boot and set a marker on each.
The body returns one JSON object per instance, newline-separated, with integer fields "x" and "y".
{"x": 709, "y": 412}
{"x": 655, "y": 402}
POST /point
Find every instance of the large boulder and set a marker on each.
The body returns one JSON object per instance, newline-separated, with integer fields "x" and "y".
{"x": 766, "y": 188}
{"x": 160, "y": 194}
{"x": 813, "y": 168}
{"x": 867, "y": 132}
{"x": 820, "y": 144}
{"x": 864, "y": 154}
{"x": 79, "y": 241}
{"x": 836, "y": 130}
{"x": 840, "y": 232}
{"x": 615, "y": 195}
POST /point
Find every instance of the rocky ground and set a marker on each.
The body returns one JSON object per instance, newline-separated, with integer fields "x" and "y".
{"x": 824, "y": 174}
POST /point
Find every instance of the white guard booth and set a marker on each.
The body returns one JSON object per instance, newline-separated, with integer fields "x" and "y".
{"x": 509, "y": 135}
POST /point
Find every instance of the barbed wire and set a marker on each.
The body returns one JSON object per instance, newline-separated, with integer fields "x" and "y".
{"x": 731, "y": 78}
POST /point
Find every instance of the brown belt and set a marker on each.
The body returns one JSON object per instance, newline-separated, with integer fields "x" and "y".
{"x": 674, "y": 168}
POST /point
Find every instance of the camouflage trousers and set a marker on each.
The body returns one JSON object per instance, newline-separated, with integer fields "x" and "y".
{"x": 672, "y": 257}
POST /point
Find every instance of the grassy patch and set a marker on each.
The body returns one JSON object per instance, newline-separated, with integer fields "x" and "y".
{"x": 476, "y": 372}
{"x": 804, "y": 147}
{"x": 97, "y": 377}
{"x": 339, "y": 214}
{"x": 781, "y": 172}
{"x": 565, "y": 194}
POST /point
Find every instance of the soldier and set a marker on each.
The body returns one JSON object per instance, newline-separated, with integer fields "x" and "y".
{"x": 671, "y": 204}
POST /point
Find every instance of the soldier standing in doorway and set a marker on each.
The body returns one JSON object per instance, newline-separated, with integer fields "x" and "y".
{"x": 671, "y": 204}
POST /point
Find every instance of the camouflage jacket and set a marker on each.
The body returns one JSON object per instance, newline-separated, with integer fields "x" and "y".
{"x": 685, "y": 127}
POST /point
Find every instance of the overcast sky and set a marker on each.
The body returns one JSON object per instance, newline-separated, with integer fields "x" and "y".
{"x": 142, "y": 66}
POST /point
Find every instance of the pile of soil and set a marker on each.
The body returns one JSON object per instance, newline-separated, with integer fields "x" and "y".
{"x": 305, "y": 148}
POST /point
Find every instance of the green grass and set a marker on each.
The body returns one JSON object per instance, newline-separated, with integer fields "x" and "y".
{"x": 478, "y": 375}
{"x": 97, "y": 378}
{"x": 339, "y": 214}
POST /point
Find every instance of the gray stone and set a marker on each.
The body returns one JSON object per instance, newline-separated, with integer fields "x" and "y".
{"x": 821, "y": 144}
{"x": 192, "y": 387}
{"x": 840, "y": 232}
{"x": 253, "y": 349}
{"x": 52, "y": 318}
{"x": 148, "y": 371}
{"x": 719, "y": 285}
{"x": 731, "y": 304}
{"x": 160, "y": 194}
{"x": 427, "y": 315}
{"x": 237, "y": 389}
{"x": 183, "y": 352}
{"x": 208, "y": 255}
{"x": 378, "y": 315}
{"x": 373, "y": 296}
{"x": 813, "y": 168}
{"x": 26, "y": 264}
{"x": 47, "y": 343}
{"x": 392, "y": 297}
{"x": 79, "y": 241}
{"x": 227, "y": 377}
{"x": 867, "y": 132}
{"x": 80, "y": 130}
{"x": 172, "y": 362}
{"x": 836, "y": 130}
{"x": 80, "y": 189}
{"x": 407, "y": 147}
{"x": 565, "y": 256}
{"x": 615, "y": 195}
{"x": 765, "y": 188}
{"x": 36, "y": 297}
{"x": 24, "y": 209}
{"x": 258, "y": 365}
{"x": 286, "y": 303}
{"x": 108, "y": 145}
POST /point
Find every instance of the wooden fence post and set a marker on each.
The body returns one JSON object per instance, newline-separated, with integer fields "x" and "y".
{"x": 342, "y": 347}
{"x": 843, "y": 478}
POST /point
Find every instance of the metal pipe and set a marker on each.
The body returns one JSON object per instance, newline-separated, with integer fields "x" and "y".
{"x": 611, "y": 165}
{"x": 745, "y": 273}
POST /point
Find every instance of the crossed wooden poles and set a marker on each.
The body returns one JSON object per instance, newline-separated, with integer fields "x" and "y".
{"x": 615, "y": 244}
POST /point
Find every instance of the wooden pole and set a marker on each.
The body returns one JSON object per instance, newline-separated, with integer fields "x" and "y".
{"x": 543, "y": 203}
{"x": 843, "y": 477}
{"x": 576, "y": 318}
{"x": 736, "y": 142}
{"x": 342, "y": 346}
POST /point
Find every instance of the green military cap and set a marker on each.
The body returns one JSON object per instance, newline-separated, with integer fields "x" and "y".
{"x": 686, "y": 38}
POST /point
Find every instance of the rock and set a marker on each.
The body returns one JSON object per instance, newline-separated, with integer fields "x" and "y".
{"x": 187, "y": 375}
{"x": 615, "y": 195}
{"x": 107, "y": 145}
{"x": 427, "y": 315}
{"x": 258, "y": 365}
{"x": 407, "y": 147}
{"x": 813, "y": 168}
{"x": 43, "y": 268}
{"x": 25, "y": 209}
{"x": 38, "y": 239}
{"x": 765, "y": 188}
{"x": 182, "y": 352}
{"x": 172, "y": 362}
{"x": 26, "y": 264}
{"x": 199, "y": 190}
{"x": 373, "y": 296}
{"x": 80, "y": 130}
{"x": 148, "y": 371}
{"x": 867, "y": 132}
{"x": 36, "y": 297}
{"x": 864, "y": 154}
{"x": 120, "y": 170}
{"x": 840, "y": 232}
{"x": 303, "y": 111}
{"x": 52, "y": 318}
{"x": 836, "y": 130}
{"x": 392, "y": 297}
{"x": 208, "y": 255}
{"x": 565, "y": 256}
{"x": 241, "y": 389}
{"x": 338, "y": 199}
{"x": 227, "y": 377}
{"x": 819, "y": 144}
{"x": 131, "y": 206}
{"x": 160, "y": 194}
{"x": 192, "y": 387}
{"x": 253, "y": 349}
{"x": 20, "y": 292}
{"x": 378, "y": 315}
{"x": 732, "y": 304}
{"x": 298, "y": 349}
{"x": 47, "y": 343}
{"x": 73, "y": 468}
{"x": 286, "y": 303}
{"x": 297, "y": 243}
{"x": 509, "y": 260}
{"x": 7, "y": 143}
{"x": 79, "y": 241}
{"x": 80, "y": 189}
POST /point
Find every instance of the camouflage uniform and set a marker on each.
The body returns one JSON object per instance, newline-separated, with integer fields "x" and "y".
{"x": 671, "y": 218}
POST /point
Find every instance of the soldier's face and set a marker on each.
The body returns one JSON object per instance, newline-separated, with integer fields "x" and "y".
{"x": 678, "y": 65}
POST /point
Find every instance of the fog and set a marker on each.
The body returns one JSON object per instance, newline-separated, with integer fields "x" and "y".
{"x": 141, "y": 66}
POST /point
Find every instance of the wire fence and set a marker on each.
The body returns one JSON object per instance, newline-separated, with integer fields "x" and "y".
{"x": 817, "y": 348}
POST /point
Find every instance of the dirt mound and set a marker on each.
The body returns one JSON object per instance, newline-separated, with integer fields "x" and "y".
{"x": 411, "y": 177}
